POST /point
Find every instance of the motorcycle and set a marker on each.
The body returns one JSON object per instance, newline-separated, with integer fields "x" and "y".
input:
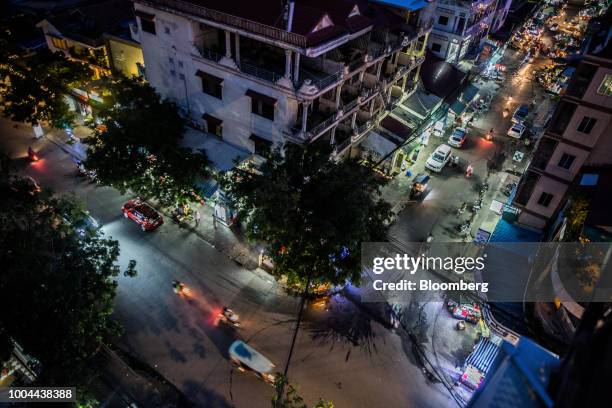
{"x": 32, "y": 155}
{"x": 180, "y": 288}
{"x": 461, "y": 209}
{"x": 509, "y": 188}
{"x": 463, "y": 228}
{"x": 228, "y": 316}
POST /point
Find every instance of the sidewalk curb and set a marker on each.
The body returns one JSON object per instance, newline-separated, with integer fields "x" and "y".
{"x": 64, "y": 146}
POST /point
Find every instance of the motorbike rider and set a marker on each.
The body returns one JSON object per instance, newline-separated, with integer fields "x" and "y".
{"x": 228, "y": 313}
{"x": 178, "y": 286}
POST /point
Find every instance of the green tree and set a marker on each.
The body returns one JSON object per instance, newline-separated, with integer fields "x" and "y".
{"x": 57, "y": 287}
{"x": 313, "y": 212}
{"x": 34, "y": 85}
{"x": 138, "y": 145}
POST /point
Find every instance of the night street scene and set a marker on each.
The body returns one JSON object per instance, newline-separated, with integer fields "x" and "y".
{"x": 305, "y": 203}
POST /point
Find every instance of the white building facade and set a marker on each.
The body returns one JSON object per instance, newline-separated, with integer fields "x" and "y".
{"x": 326, "y": 73}
{"x": 460, "y": 27}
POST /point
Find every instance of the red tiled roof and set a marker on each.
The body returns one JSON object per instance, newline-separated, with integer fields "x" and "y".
{"x": 307, "y": 14}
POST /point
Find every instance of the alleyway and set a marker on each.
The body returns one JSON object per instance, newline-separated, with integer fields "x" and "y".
{"x": 437, "y": 213}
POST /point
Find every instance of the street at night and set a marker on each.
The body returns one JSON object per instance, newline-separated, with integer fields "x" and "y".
{"x": 201, "y": 202}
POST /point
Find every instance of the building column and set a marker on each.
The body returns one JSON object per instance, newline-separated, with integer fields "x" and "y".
{"x": 332, "y": 140}
{"x": 237, "y": 46}
{"x": 288, "y": 64}
{"x": 354, "y": 120}
{"x": 296, "y": 67}
{"x": 378, "y": 69}
{"x": 372, "y": 107}
{"x": 227, "y": 59}
{"x": 228, "y": 45}
{"x": 304, "y": 116}
{"x": 404, "y": 83}
{"x": 338, "y": 93}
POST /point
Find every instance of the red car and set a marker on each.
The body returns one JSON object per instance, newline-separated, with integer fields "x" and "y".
{"x": 143, "y": 214}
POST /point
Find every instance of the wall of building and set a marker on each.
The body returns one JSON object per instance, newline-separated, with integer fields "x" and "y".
{"x": 172, "y": 63}
{"x": 125, "y": 56}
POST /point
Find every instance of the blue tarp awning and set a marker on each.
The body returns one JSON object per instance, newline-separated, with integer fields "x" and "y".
{"x": 469, "y": 93}
{"x": 458, "y": 107}
{"x": 405, "y": 4}
{"x": 208, "y": 188}
{"x": 508, "y": 232}
{"x": 484, "y": 355}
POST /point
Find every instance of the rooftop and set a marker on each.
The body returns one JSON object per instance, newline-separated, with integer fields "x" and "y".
{"x": 440, "y": 77}
{"x": 88, "y": 23}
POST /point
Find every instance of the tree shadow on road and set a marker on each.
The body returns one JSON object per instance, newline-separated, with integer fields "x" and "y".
{"x": 343, "y": 323}
{"x": 204, "y": 396}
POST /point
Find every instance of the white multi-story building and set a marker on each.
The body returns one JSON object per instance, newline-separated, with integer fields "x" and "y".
{"x": 259, "y": 73}
{"x": 460, "y": 26}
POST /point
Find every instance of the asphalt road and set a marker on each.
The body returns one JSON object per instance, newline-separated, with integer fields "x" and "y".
{"x": 436, "y": 214}
{"x": 342, "y": 354}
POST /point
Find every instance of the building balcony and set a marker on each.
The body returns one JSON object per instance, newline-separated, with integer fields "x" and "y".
{"x": 227, "y": 19}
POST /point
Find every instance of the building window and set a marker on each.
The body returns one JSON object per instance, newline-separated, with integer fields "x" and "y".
{"x": 59, "y": 43}
{"x": 435, "y": 47}
{"x": 147, "y": 22}
{"x": 167, "y": 30}
{"x": 443, "y": 20}
{"x": 545, "y": 151}
{"x": 566, "y": 161}
{"x": 605, "y": 88}
{"x": 581, "y": 80}
{"x": 172, "y": 72}
{"x": 562, "y": 117}
{"x": 171, "y": 60}
{"x": 262, "y": 105}
{"x": 586, "y": 125}
{"x": 526, "y": 187}
{"x": 262, "y": 146}
{"x": 181, "y": 76}
{"x": 180, "y": 64}
{"x": 213, "y": 125}
{"x": 545, "y": 199}
{"x": 211, "y": 85}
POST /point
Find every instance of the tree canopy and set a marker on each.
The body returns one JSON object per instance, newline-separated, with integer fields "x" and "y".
{"x": 313, "y": 212}
{"x": 137, "y": 145}
{"x": 35, "y": 84}
{"x": 57, "y": 286}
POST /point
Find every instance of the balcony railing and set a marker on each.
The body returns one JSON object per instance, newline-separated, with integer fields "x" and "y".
{"x": 259, "y": 72}
{"x": 235, "y": 21}
{"x": 349, "y": 106}
{"x": 340, "y": 147}
{"x": 324, "y": 82}
{"x": 315, "y": 131}
{"x": 209, "y": 54}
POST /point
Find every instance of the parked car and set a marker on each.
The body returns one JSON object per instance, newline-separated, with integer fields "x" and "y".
{"x": 517, "y": 130}
{"x": 439, "y": 158}
{"x": 520, "y": 114}
{"x": 457, "y": 138}
{"x": 83, "y": 223}
{"x": 143, "y": 214}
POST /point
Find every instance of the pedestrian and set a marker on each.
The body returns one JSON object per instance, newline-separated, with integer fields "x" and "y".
{"x": 469, "y": 171}
{"x": 197, "y": 217}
